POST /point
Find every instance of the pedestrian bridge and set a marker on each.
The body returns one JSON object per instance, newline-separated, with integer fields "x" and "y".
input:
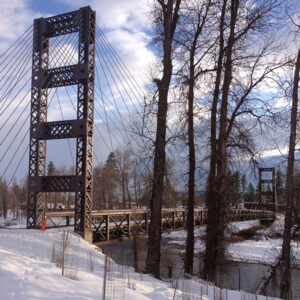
{"x": 115, "y": 225}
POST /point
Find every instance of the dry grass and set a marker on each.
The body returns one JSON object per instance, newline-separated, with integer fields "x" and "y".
{"x": 245, "y": 234}
{"x": 235, "y": 239}
{"x": 250, "y": 232}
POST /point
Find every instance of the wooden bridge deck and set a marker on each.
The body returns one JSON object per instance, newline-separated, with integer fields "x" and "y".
{"x": 114, "y": 225}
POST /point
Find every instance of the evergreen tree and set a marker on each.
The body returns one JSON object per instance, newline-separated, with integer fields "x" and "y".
{"x": 236, "y": 182}
{"x": 111, "y": 161}
{"x": 250, "y": 194}
{"x": 244, "y": 183}
{"x": 279, "y": 181}
{"x": 110, "y": 180}
{"x": 234, "y": 188}
{"x": 51, "y": 170}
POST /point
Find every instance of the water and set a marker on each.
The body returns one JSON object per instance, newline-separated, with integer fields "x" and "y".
{"x": 247, "y": 276}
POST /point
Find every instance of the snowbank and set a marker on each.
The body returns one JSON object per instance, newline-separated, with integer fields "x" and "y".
{"x": 264, "y": 250}
{"x": 26, "y": 272}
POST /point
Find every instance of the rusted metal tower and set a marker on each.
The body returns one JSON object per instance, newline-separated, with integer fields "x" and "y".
{"x": 267, "y": 188}
{"x": 82, "y": 128}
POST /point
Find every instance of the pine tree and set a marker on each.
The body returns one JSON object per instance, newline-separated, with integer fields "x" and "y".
{"x": 111, "y": 161}
{"x": 51, "y": 170}
{"x": 244, "y": 183}
{"x": 250, "y": 195}
{"x": 279, "y": 181}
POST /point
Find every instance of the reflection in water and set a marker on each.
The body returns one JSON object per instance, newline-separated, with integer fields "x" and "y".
{"x": 247, "y": 276}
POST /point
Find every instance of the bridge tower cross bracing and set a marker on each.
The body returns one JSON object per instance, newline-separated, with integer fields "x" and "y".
{"x": 81, "y": 22}
{"x": 268, "y": 196}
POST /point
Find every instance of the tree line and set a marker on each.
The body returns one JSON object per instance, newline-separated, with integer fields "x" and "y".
{"x": 122, "y": 183}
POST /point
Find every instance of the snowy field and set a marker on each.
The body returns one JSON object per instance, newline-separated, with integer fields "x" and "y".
{"x": 31, "y": 269}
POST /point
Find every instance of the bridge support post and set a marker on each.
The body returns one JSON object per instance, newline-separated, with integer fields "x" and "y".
{"x": 85, "y": 112}
{"x": 81, "y": 74}
{"x": 37, "y": 148}
{"x": 146, "y": 223}
{"x": 267, "y": 188}
{"x": 107, "y": 227}
{"x": 128, "y": 225}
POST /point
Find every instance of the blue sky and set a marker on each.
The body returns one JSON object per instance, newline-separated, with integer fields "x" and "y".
{"x": 126, "y": 25}
{"x": 49, "y": 7}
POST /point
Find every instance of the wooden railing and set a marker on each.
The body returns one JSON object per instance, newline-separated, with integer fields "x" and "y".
{"x": 113, "y": 225}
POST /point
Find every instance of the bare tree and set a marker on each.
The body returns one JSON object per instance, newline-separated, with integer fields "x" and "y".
{"x": 166, "y": 14}
{"x": 287, "y": 234}
{"x": 122, "y": 163}
{"x": 241, "y": 68}
{"x": 195, "y": 44}
{"x": 211, "y": 231}
{"x": 4, "y": 200}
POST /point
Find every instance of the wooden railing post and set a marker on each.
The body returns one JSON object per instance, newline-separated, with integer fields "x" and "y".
{"x": 173, "y": 220}
{"x": 128, "y": 225}
{"x": 107, "y": 227}
{"x": 146, "y": 222}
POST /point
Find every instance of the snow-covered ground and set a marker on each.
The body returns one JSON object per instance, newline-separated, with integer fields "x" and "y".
{"x": 13, "y": 220}
{"x": 264, "y": 249}
{"x": 30, "y": 269}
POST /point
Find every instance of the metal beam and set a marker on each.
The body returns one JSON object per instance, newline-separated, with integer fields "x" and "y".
{"x": 56, "y": 183}
{"x": 61, "y": 76}
{"x": 59, "y": 129}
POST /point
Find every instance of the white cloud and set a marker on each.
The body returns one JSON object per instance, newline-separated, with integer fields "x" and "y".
{"x": 274, "y": 152}
{"x": 125, "y": 24}
{"x": 132, "y": 48}
{"x": 130, "y": 14}
{"x": 15, "y": 18}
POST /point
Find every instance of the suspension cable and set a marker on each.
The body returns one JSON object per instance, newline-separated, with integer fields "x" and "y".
{"x": 49, "y": 103}
{"x": 62, "y": 116}
{"x": 21, "y": 100}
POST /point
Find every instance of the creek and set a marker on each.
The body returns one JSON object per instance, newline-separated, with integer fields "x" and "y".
{"x": 235, "y": 275}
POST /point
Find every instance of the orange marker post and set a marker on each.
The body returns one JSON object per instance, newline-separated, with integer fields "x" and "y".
{"x": 44, "y": 224}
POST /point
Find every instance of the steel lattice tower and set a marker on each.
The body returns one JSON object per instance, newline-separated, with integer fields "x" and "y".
{"x": 82, "y": 128}
{"x": 267, "y": 197}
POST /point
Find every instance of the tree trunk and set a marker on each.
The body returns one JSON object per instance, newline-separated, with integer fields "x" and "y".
{"x": 287, "y": 234}
{"x": 170, "y": 18}
{"x": 215, "y": 247}
{"x": 123, "y": 190}
{"x": 266, "y": 279}
{"x": 4, "y": 201}
{"x": 211, "y": 233}
{"x": 189, "y": 256}
{"x": 128, "y": 195}
{"x": 222, "y": 142}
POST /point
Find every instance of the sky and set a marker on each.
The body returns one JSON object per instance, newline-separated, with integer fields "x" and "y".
{"x": 126, "y": 26}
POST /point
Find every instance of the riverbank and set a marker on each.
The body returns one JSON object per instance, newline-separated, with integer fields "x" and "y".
{"x": 264, "y": 247}
{"x": 32, "y": 264}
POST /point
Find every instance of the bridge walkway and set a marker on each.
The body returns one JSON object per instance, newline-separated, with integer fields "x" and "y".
{"x": 113, "y": 225}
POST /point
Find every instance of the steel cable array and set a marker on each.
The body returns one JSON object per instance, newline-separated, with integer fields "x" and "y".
{"x": 118, "y": 97}
{"x": 56, "y": 44}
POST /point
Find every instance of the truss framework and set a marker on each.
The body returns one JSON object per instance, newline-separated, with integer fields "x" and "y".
{"x": 82, "y": 128}
{"x": 267, "y": 195}
{"x": 109, "y": 225}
